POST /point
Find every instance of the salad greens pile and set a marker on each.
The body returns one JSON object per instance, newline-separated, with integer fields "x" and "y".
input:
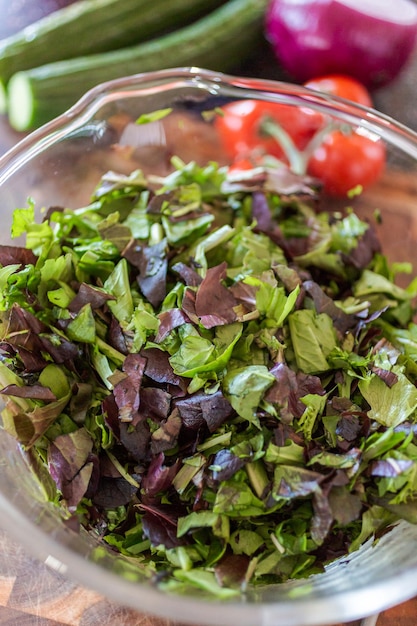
{"x": 218, "y": 373}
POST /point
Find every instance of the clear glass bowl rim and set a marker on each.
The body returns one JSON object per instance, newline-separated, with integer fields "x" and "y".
{"x": 395, "y": 133}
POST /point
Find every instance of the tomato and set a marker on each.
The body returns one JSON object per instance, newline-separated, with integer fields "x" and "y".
{"x": 341, "y": 86}
{"x": 241, "y": 127}
{"x": 344, "y": 161}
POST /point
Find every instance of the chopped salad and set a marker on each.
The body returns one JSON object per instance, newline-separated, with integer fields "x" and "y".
{"x": 217, "y": 370}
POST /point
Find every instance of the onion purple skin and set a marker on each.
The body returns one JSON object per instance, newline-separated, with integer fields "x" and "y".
{"x": 312, "y": 38}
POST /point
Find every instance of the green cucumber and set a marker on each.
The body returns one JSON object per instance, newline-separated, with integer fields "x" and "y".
{"x": 94, "y": 26}
{"x": 217, "y": 41}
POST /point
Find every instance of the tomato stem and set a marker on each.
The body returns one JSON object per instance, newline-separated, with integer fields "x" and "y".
{"x": 295, "y": 157}
{"x": 298, "y": 159}
{"x": 318, "y": 139}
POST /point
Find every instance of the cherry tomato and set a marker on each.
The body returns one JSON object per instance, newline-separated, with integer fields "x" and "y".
{"x": 241, "y": 127}
{"x": 341, "y": 86}
{"x": 344, "y": 161}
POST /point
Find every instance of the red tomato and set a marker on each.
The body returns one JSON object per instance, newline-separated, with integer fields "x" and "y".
{"x": 241, "y": 132}
{"x": 341, "y": 86}
{"x": 342, "y": 162}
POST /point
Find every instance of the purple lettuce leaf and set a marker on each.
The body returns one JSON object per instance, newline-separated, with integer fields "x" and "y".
{"x": 160, "y": 523}
{"x": 88, "y": 294}
{"x": 158, "y": 201}
{"x": 284, "y": 433}
{"x": 32, "y": 361}
{"x": 21, "y": 319}
{"x": 349, "y": 427}
{"x": 10, "y": 255}
{"x": 27, "y": 332}
{"x": 113, "y": 492}
{"x": 204, "y": 409}
{"x": 35, "y": 392}
{"x": 168, "y": 320}
{"x": 31, "y": 425}
{"x": 324, "y": 304}
{"x": 60, "y": 349}
{"x": 226, "y": 464}
{"x": 166, "y": 436}
{"x": 135, "y": 439}
{"x": 159, "y": 476}
{"x": 244, "y": 294}
{"x": 159, "y": 369}
{"x": 152, "y": 263}
{"x": 283, "y": 181}
{"x": 67, "y": 454}
{"x": 155, "y": 403}
{"x": 345, "y": 506}
{"x": 188, "y": 305}
{"x": 390, "y": 468}
{"x": 187, "y": 274}
{"x": 389, "y": 377}
{"x": 293, "y": 482}
{"x": 288, "y": 389}
{"x": 72, "y": 465}
{"x": 127, "y": 391}
{"x": 111, "y": 415}
{"x": 214, "y": 302}
{"x": 74, "y": 490}
{"x": 231, "y": 570}
{"x": 322, "y": 518}
{"x": 264, "y": 220}
{"x": 116, "y": 337}
{"x": 363, "y": 253}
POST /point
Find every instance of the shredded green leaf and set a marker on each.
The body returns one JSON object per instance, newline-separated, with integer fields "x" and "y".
{"x": 218, "y": 378}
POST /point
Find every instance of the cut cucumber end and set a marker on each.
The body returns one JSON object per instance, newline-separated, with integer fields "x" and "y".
{"x": 20, "y": 102}
{"x": 3, "y": 98}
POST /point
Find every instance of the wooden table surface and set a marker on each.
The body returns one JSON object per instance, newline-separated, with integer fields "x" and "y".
{"x": 32, "y": 594}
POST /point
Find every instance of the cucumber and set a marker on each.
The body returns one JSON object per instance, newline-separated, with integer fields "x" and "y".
{"x": 217, "y": 41}
{"x": 93, "y": 26}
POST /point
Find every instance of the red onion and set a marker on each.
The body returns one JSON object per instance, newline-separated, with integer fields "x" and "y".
{"x": 370, "y": 40}
{"x": 16, "y": 14}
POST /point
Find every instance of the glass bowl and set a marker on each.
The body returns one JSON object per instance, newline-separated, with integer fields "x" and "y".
{"x": 59, "y": 165}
